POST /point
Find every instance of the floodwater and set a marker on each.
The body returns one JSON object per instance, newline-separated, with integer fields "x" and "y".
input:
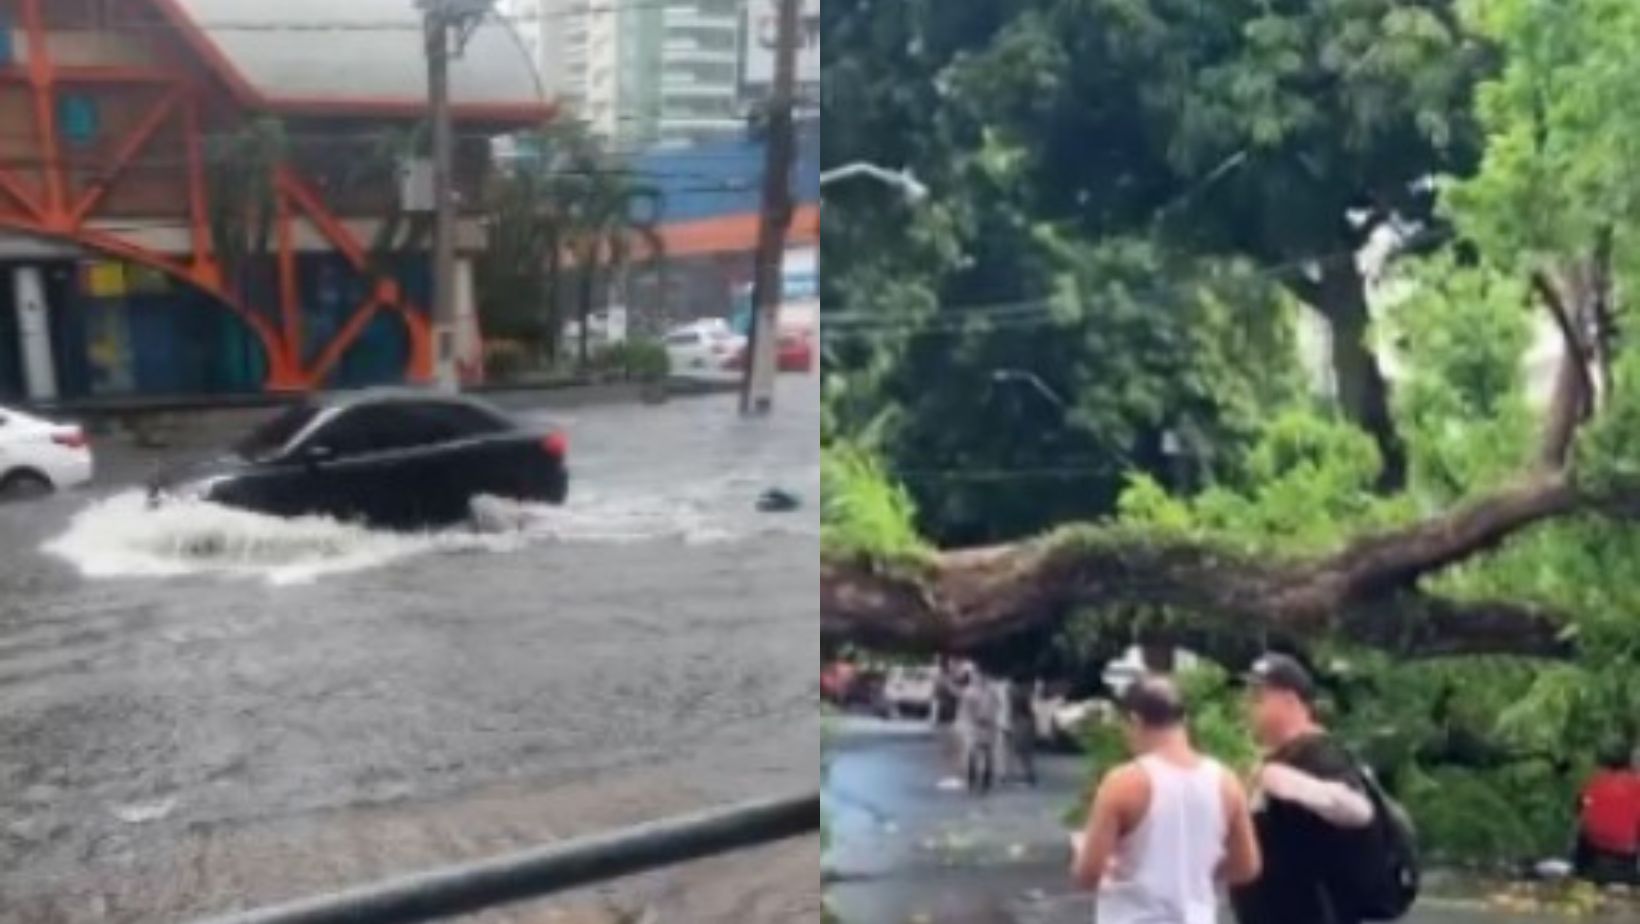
{"x": 202, "y": 710}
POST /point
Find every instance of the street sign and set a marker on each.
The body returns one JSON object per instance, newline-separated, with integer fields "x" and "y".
{"x": 762, "y": 36}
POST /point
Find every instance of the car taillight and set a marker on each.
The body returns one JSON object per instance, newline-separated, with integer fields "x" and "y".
{"x": 556, "y": 444}
{"x": 73, "y": 439}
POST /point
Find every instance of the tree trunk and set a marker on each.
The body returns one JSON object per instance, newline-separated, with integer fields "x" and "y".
{"x": 1363, "y": 393}
{"x": 588, "y": 282}
{"x": 552, "y": 292}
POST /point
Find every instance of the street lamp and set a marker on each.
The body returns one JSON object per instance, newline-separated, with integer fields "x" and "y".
{"x": 904, "y": 180}
{"x": 1022, "y": 377}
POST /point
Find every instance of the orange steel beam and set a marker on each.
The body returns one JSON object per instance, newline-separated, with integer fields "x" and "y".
{"x": 290, "y": 306}
{"x": 112, "y": 74}
{"x": 421, "y": 337}
{"x": 10, "y": 185}
{"x": 333, "y": 230}
{"x": 342, "y": 342}
{"x": 133, "y": 145}
{"x": 93, "y": 75}
{"x": 45, "y": 109}
{"x": 198, "y": 208}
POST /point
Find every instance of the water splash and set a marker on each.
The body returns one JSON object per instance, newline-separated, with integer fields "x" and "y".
{"x": 122, "y": 537}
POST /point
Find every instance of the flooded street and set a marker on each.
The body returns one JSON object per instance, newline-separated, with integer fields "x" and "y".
{"x": 202, "y": 710}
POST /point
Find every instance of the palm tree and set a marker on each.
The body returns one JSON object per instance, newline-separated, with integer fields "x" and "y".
{"x": 242, "y": 197}
{"x": 570, "y": 207}
{"x": 617, "y": 222}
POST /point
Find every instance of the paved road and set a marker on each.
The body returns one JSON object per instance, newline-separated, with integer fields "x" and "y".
{"x": 905, "y": 852}
{"x": 201, "y": 710}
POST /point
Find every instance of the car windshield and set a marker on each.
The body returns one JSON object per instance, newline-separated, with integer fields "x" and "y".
{"x": 276, "y": 434}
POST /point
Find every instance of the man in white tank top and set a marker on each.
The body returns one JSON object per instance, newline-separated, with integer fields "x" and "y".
{"x": 1167, "y": 828}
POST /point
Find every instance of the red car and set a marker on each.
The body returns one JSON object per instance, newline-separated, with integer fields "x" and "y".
{"x": 795, "y": 352}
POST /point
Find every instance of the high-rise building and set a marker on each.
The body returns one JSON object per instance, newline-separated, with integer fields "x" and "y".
{"x": 641, "y": 71}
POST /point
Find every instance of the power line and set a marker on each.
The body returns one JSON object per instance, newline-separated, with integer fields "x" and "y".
{"x": 1026, "y": 314}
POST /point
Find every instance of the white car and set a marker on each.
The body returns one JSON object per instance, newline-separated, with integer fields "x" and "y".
{"x": 38, "y": 457}
{"x": 705, "y": 350}
{"x": 1061, "y": 722}
{"x": 909, "y": 691}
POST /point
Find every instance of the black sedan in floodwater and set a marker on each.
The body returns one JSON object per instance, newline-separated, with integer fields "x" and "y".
{"x": 395, "y": 459}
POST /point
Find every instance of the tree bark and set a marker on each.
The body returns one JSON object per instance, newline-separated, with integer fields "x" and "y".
{"x": 1367, "y": 591}
{"x": 1363, "y": 392}
{"x": 1572, "y": 399}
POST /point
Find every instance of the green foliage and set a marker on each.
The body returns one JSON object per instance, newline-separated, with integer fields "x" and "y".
{"x": 863, "y": 511}
{"x": 1461, "y": 404}
{"x": 1308, "y": 486}
{"x": 638, "y": 359}
{"x": 1560, "y": 126}
{"x": 563, "y": 221}
{"x": 1043, "y": 407}
{"x": 240, "y": 168}
{"x": 1216, "y": 721}
{"x": 1494, "y": 819}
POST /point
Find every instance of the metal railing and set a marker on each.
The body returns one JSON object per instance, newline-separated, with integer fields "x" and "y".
{"x": 486, "y": 884}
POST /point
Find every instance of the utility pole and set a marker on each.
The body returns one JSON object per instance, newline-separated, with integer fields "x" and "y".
{"x": 447, "y": 25}
{"x": 444, "y": 217}
{"x": 757, "y": 391}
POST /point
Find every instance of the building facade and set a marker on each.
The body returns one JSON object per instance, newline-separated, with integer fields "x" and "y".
{"x": 642, "y": 73}
{"x": 204, "y": 196}
{"x": 712, "y": 196}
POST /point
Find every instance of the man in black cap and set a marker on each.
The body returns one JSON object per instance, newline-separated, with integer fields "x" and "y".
{"x": 1306, "y": 794}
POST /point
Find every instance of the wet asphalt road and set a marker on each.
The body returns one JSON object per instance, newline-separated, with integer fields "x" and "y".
{"x": 905, "y": 852}
{"x": 181, "y": 745}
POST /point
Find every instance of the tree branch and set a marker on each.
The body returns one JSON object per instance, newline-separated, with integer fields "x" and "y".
{"x": 1572, "y": 399}
{"x": 1367, "y": 591}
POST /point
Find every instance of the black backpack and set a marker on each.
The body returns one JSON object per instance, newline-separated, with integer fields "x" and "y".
{"x": 1380, "y": 879}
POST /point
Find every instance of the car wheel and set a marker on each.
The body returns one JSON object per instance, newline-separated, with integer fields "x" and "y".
{"x": 24, "y": 486}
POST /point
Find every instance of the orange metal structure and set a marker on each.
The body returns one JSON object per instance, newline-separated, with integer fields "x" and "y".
{"x": 50, "y": 193}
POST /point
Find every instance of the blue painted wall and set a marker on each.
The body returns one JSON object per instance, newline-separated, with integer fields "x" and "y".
{"x": 724, "y": 178}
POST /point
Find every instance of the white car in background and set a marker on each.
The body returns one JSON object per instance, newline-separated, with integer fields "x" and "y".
{"x": 38, "y": 457}
{"x": 909, "y": 691}
{"x": 1060, "y": 722}
{"x": 704, "y": 351}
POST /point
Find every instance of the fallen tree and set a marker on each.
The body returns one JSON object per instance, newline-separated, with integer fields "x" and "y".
{"x": 966, "y": 600}
{"x": 1369, "y": 589}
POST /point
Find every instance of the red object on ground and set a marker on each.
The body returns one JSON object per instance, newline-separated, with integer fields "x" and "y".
{"x": 1610, "y": 813}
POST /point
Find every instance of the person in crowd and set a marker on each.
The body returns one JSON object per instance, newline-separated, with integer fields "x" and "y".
{"x": 948, "y": 681}
{"x": 1307, "y": 789}
{"x": 1166, "y": 828}
{"x": 1021, "y": 713}
{"x": 1608, "y": 830}
{"x": 979, "y": 717}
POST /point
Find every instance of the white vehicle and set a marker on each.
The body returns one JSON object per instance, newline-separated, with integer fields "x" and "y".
{"x": 705, "y": 351}
{"x": 1060, "y": 722}
{"x": 38, "y": 457}
{"x": 909, "y": 691}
